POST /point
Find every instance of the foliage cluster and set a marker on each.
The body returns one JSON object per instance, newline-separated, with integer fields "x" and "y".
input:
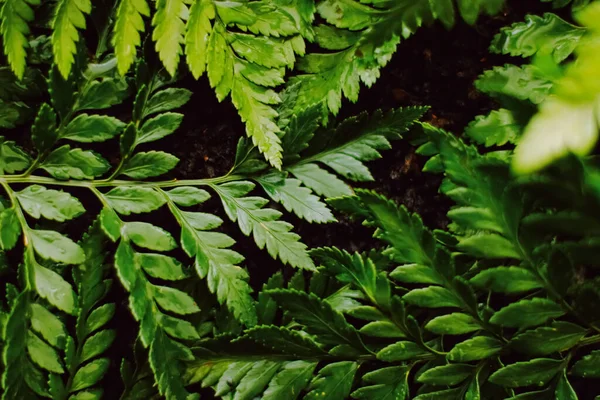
{"x": 501, "y": 305}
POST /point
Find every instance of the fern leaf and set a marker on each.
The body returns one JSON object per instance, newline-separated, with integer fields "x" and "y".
{"x": 295, "y": 198}
{"x": 69, "y": 15}
{"x": 169, "y": 31}
{"x": 333, "y": 382}
{"x": 547, "y": 33}
{"x": 126, "y": 35}
{"x": 496, "y": 129}
{"x": 521, "y": 83}
{"x": 214, "y": 260}
{"x": 289, "y": 382}
{"x": 385, "y": 383}
{"x": 263, "y": 224}
{"x": 197, "y": 34}
{"x": 15, "y": 16}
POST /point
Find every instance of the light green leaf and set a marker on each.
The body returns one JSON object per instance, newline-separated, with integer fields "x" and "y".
{"x": 99, "y": 317}
{"x": 416, "y": 273}
{"x": 126, "y": 34}
{"x": 257, "y": 378}
{"x": 558, "y": 129}
{"x": 495, "y": 129}
{"x": 56, "y": 205}
{"x": 188, "y": 196}
{"x": 197, "y": 35}
{"x": 65, "y": 163}
{"x": 131, "y": 199}
{"x": 148, "y": 236}
{"x": 92, "y": 128}
{"x": 382, "y": 329}
{"x": 320, "y": 181}
{"x": 56, "y": 247}
{"x": 526, "y": 313}
{"x": 48, "y": 326}
{"x": 150, "y": 164}
{"x": 42, "y": 354}
{"x": 52, "y": 287}
{"x": 68, "y": 17}
{"x": 169, "y": 30}
{"x": 333, "y": 382}
{"x": 15, "y": 16}
{"x": 547, "y": 340}
{"x": 522, "y": 83}
{"x": 174, "y": 300}
{"x": 477, "y": 348}
{"x": 110, "y": 223}
{"x": 528, "y": 373}
{"x": 508, "y": 280}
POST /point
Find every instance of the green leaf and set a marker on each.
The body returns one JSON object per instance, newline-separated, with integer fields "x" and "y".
{"x": 320, "y": 180}
{"x": 289, "y": 382}
{"x": 12, "y": 158}
{"x": 148, "y": 236}
{"x": 283, "y": 340}
{"x": 588, "y": 366}
{"x": 43, "y": 355}
{"x": 99, "y": 317}
{"x": 215, "y": 261}
{"x": 526, "y": 313}
{"x": 131, "y": 199}
{"x": 90, "y": 374}
{"x": 43, "y": 130}
{"x": 97, "y": 344}
{"x": 197, "y": 35}
{"x": 126, "y": 32}
{"x": 110, "y": 223}
{"x": 166, "y": 100}
{"x": 174, "y": 300}
{"x": 103, "y": 94}
{"x": 401, "y": 351}
{"x": 508, "y": 280}
{"x": 529, "y": 373}
{"x": 48, "y": 326}
{"x": 564, "y": 390}
{"x": 450, "y": 374}
{"x": 333, "y": 382}
{"x": 10, "y": 229}
{"x": 295, "y": 198}
{"x": 416, "y": 273}
{"x": 56, "y": 247}
{"x": 15, "y": 16}
{"x": 477, "y": 348}
{"x": 495, "y": 129}
{"x": 318, "y": 316}
{"x": 162, "y": 267}
{"x": 68, "y": 17}
{"x": 390, "y": 383}
{"x": 522, "y": 83}
{"x": 169, "y": 30}
{"x": 188, "y": 196}
{"x": 51, "y": 204}
{"x": 52, "y": 287}
{"x": 92, "y": 128}
{"x": 547, "y": 340}
{"x": 538, "y": 33}
{"x": 65, "y": 163}
{"x": 263, "y": 224}
{"x": 150, "y": 164}
{"x": 382, "y": 329}
{"x": 158, "y": 127}
{"x": 432, "y": 297}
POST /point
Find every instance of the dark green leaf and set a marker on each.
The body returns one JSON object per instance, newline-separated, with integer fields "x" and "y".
{"x": 131, "y": 199}
{"x": 65, "y": 163}
{"x": 43, "y": 130}
{"x": 547, "y": 340}
{"x": 92, "y": 128}
{"x": 158, "y": 127}
{"x": 507, "y": 280}
{"x": 401, "y": 351}
{"x": 10, "y": 229}
{"x": 477, "y": 348}
{"x": 166, "y": 100}
{"x": 453, "y": 324}
{"x": 450, "y": 374}
{"x": 526, "y": 313}
{"x": 333, "y": 382}
{"x": 103, "y": 94}
{"x": 150, "y": 164}
{"x": 432, "y": 297}
{"x": 528, "y": 373}
{"x": 588, "y": 366}
{"x": 90, "y": 374}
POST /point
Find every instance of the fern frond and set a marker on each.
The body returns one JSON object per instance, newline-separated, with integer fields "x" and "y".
{"x": 15, "y": 16}
{"x": 69, "y": 16}
{"x": 169, "y": 30}
{"x": 129, "y": 24}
